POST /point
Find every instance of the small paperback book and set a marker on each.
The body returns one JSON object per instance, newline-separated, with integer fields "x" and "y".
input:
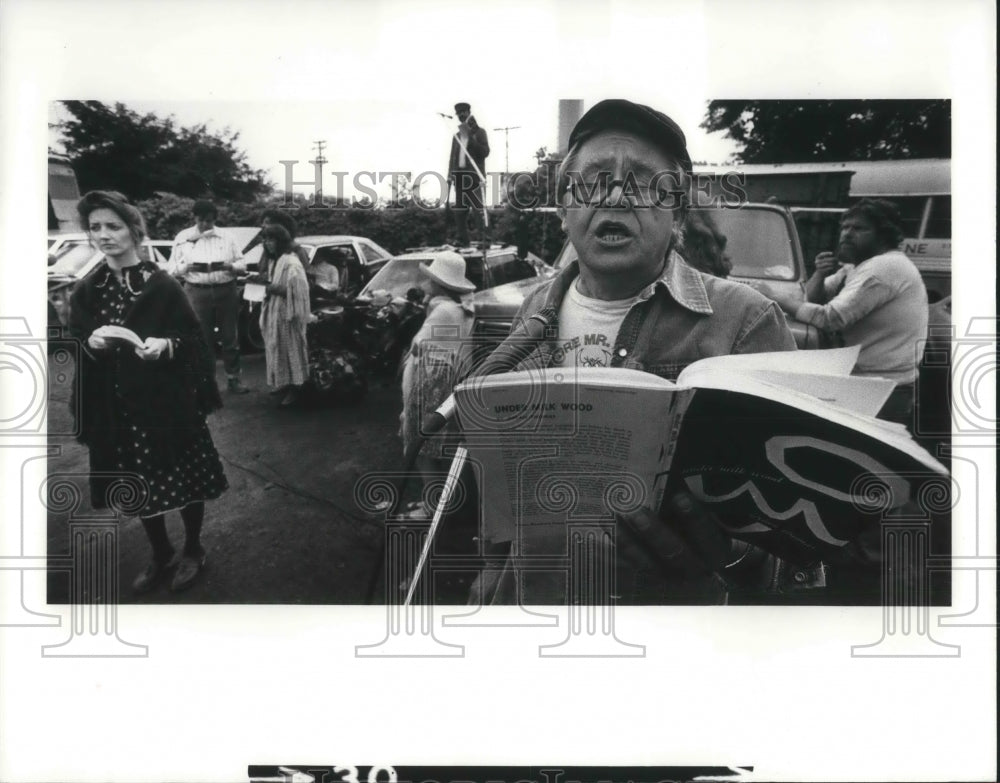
{"x": 119, "y": 334}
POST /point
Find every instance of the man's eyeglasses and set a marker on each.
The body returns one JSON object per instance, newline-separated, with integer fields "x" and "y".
{"x": 662, "y": 193}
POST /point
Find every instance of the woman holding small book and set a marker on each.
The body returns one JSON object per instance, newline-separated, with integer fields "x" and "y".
{"x": 141, "y": 402}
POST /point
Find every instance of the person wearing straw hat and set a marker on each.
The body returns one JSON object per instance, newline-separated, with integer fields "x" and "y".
{"x": 470, "y": 147}
{"x": 431, "y": 367}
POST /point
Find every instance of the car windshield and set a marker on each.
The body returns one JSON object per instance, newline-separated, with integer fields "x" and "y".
{"x": 397, "y": 277}
{"x": 758, "y": 244}
{"x": 71, "y": 258}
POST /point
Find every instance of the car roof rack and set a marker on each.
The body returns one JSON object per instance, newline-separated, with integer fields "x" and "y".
{"x": 471, "y": 250}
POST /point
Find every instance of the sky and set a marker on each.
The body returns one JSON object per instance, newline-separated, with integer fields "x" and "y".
{"x": 400, "y": 135}
{"x": 408, "y": 134}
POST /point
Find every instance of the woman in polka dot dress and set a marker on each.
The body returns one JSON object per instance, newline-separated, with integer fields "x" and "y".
{"x": 141, "y": 409}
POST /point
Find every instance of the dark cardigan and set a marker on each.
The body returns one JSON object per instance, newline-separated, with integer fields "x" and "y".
{"x": 168, "y": 397}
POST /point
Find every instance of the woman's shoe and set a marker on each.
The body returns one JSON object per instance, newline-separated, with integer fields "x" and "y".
{"x": 154, "y": 572}
{"x": 290, "y": 400}
{"x": 187, "y": 572}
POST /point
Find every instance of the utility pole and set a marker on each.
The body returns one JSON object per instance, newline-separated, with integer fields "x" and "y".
{"x": 506, "y": 146}
{"x": 319, "y": 160}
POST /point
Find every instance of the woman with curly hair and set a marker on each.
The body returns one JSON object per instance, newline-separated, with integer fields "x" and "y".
{"x": 703, "y": 245}
{"x": 141, "y": 408}
{"x": 284, "y": 317}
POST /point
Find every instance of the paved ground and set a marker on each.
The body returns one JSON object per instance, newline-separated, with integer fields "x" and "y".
{"x": 288, "y": 530}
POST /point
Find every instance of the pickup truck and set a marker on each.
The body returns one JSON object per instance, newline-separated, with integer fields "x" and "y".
{"x": 763, "y": 246}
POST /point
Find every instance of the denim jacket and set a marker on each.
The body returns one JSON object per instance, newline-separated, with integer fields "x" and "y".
{"x": 681, "y": 317}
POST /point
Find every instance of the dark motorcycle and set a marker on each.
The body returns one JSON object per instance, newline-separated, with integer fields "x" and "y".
{"x": 352, "y": 342}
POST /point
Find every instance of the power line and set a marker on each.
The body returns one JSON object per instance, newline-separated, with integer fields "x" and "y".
{"x": 318, "y": 146}
{"x": 319, "y": 161}
{"x": 506, "y": 146}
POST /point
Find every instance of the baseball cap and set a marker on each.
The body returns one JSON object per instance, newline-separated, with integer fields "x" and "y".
{"x": 619, "y": 114}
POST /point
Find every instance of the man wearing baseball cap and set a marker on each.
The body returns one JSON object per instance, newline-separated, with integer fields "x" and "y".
{"x": 470, "y": 147}
{"x": 622, "y": 198}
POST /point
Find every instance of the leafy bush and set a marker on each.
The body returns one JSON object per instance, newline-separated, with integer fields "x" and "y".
{"x": 396, "y": 228}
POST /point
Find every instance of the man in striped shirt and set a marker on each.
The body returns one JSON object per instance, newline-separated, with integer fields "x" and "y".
{"x": 207, "y": 260}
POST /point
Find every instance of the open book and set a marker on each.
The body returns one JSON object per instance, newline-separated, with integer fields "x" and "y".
{"x": 119, "y": 333}
{"x": 784, "y": 447}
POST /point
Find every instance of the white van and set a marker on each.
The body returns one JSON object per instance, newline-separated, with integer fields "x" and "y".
{"x": 818, "y": 193}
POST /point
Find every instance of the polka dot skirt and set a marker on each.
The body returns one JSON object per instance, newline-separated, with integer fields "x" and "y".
{"x": 196, "y": 474}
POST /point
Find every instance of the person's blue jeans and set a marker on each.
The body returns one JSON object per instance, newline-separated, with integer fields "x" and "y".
{"x": 218, "y": 306}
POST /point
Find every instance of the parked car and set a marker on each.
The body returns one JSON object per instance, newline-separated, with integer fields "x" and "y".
{"x": 501, "y": 266}
{"x": 72, "y": 257}
{"x": 356, "y": 258}
{"x": 763, "y": 246}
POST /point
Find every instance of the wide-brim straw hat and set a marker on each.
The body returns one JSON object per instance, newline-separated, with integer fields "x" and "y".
{"x": 448, "y": 269}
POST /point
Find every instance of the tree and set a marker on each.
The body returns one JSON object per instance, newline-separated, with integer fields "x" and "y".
{"x": 778, "y": 131}
{"x": 115, "y": 148}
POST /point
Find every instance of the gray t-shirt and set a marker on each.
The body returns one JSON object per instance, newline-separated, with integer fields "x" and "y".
{"x": 588, "y": 328}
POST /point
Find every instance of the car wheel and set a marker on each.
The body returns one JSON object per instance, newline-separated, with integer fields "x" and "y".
{"x": 251, "y": 339}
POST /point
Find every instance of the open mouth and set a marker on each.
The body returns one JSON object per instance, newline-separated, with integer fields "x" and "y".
{"x": 612, "y": 232}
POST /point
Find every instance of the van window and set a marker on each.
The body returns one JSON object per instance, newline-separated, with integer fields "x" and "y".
{"x": 758, "y": 243}
{"x": 939, "y": 224}
{"x": 911, "y": 212}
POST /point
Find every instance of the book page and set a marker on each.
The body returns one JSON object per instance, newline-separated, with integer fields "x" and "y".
{"x": 824, "y": 374}
{"x": 829, "y": 361}
{"x": 557, "y": 445}
{"x": 115, "y": 332}
{"x": 253, "y": 292}
{"x": 862, "y": 395}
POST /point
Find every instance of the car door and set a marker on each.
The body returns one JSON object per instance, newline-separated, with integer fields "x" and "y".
{"x": 345, "y": 257}
{"x": 372, "y": 256}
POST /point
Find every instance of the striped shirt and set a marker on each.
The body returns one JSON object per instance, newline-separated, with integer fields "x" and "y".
{"x": 193, "y": 251}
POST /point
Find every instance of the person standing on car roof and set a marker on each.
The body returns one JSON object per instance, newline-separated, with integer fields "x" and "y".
{"x": 631, "y": 301}
{"x": 872, "y": 294}
{"x": 466, "y": 168}
{"x": 207, "y": 259}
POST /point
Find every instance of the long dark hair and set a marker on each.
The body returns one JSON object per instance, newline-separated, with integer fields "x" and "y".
{"x": 281, "y": 236}
{"x": 884, "y": 217}
{"x": 703, "y": 245}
